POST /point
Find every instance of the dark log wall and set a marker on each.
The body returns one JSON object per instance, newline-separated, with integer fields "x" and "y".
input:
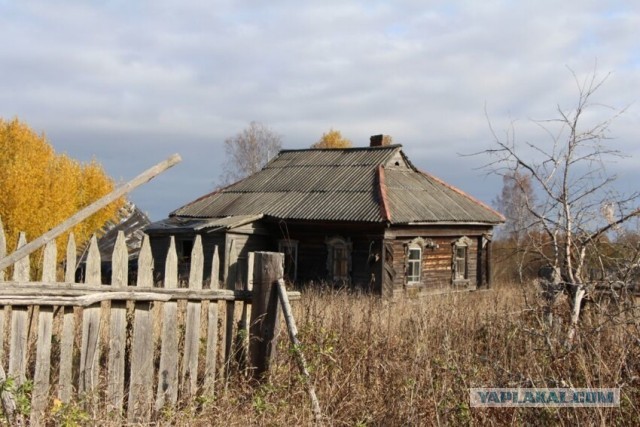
{"x": 366, "y": 264}
{"x": 160, "y": 247}
{"x": 378, "y": 258}
{"x": 437, "y": 273}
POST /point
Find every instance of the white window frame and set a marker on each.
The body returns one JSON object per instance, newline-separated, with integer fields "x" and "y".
{"x": 458, "y": 276}
{"x": 414, "y": 263}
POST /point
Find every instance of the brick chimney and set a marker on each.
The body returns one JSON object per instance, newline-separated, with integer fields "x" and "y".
{"x": 376, "y": 140}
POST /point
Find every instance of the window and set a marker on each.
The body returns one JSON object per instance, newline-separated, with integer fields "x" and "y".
{"x": 413, "y": 252}
{"x": 339, "y": 258}
{"x": 414, "y": 267}
{"x": 460, "y": 259}
{"x": 290, "y": 250}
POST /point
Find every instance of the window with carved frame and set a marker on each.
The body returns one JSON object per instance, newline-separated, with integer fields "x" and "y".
{"x": 460, "y": 260}
{"x": 339, "y": 258}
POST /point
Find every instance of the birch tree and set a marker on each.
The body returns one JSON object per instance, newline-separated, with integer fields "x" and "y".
{"x": 568, "y": 174}
{"x": 248, "y": 151}
{"x": 40, "y": 188}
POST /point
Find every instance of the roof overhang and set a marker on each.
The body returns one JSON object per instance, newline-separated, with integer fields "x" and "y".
{"x": 179, "y": 225}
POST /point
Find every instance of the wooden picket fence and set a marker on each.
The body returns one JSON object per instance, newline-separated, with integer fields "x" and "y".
{"x": 106, "y": 355}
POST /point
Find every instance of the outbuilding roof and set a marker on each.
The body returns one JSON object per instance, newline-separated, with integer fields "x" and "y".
{"x": 369, "y": 184}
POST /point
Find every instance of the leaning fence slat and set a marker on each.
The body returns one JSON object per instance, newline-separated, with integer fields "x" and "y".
{"x": 90, "y": 347}
{"x": 141, "y": 383}
{"x": 86, "y": 212}
{"x": 19, "y": 323}
{"x": 212, "y": 329}
{"x": 118, "y": 328}
{"x": 168, "y": 374}
{"x": 189, "y": 373}
{"x": 295, "y": 347}
{"x": 68, "y": 326}
{"x": 40, "y": 396}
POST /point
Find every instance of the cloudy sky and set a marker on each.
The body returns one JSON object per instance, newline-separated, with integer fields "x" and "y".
{"x": 131, "y": 82}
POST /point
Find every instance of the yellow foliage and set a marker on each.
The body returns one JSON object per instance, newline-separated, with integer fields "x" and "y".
{"x": 332, "y": 139}
{"x": 39, "y": 189}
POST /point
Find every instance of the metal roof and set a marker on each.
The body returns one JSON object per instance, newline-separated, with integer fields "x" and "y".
{"x": 178, "y": 224}
{"x": 341, "y": 185}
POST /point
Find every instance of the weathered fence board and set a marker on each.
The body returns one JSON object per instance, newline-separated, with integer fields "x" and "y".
{"x": 40, "y": 395}
{"x": 141, "y": 383}
{"x": 177, "y": 375}
{"x": 212, "y": 329}
{"x": 65, "y": 382}
{"x": 230, "y": 261}
{"x": 168, "y": 371}
{"x": 19, "y": 322}
{"x": 90, "y": 346}
{"x": 189, "y": 373}
{"x": 118, "y": 328}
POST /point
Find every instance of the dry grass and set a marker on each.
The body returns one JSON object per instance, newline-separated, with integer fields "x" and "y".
{"x": 412, "y": 362}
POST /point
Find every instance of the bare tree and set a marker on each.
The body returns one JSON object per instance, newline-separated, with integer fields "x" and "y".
{"x": 573, "y": 185}
{"x": 248, "y": 151}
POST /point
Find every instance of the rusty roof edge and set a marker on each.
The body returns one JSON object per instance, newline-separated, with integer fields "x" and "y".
{"x": 485, "y": 223}
{"x": 382, "y": 189}
{"x": 462, "y": 193}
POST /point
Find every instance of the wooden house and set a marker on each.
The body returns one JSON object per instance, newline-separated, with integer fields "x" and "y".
{"x": 361, "y": 217}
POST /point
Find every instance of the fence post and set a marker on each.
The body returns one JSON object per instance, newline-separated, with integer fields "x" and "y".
{"x": 267, "y": 269}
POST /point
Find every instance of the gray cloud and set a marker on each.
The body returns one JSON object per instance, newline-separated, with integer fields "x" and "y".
{"x": 132, "y": 82}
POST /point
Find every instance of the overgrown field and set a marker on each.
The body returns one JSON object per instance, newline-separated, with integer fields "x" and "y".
{"x": 412, "y": 362}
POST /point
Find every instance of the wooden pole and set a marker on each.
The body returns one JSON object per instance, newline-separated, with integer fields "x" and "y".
{"x": 295, "y": 346}
{"x": 268, "y": 268}
{"x": 144, "y": 177}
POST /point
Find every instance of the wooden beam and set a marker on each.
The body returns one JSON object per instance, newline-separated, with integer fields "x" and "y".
{"x": 144, "y": 177}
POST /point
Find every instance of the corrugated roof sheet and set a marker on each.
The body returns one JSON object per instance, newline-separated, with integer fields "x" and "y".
{"x": 178, "y": 224}
{"x": 340, "y": 185}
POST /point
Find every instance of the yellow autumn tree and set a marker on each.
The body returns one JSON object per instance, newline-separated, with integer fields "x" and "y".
{"x": 332, "y": 139}
{"x": 39, "y": 189}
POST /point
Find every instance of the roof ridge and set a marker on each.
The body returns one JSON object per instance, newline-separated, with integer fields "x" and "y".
{"x": 384, "y": 147}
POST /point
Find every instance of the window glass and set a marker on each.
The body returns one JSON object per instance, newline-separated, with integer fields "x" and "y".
{"x": 460, "y": 263}
{"x": 413, "y": 265}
